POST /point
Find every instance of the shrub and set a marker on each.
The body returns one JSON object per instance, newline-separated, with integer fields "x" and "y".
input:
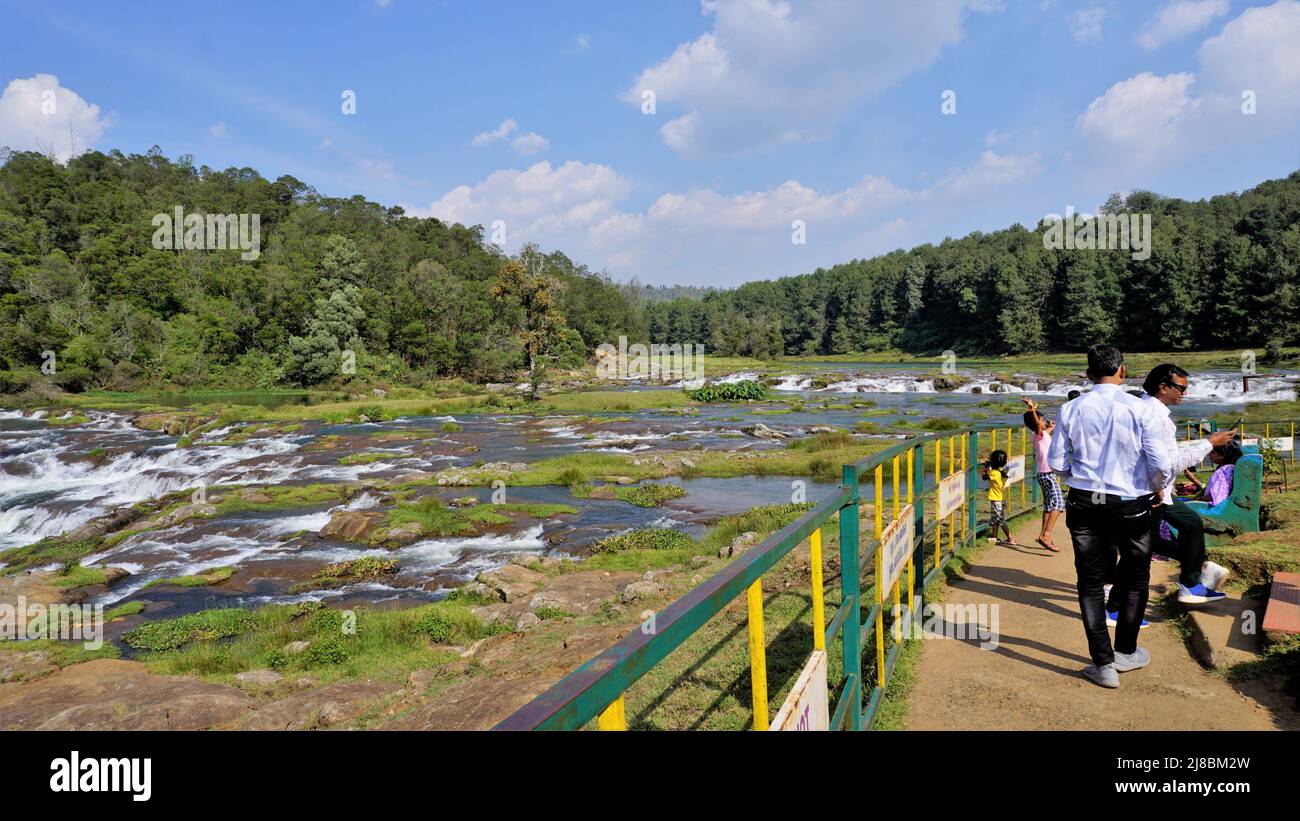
{"x": 207, "y": 625}
{"x": 325, "y": 651}
{"x": 649, "y": 495}
{"x": 653, "y": 538}
{"x": 730, "y": 392}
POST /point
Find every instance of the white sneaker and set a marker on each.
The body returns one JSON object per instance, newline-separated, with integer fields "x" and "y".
{"x": 1213, "y": 575}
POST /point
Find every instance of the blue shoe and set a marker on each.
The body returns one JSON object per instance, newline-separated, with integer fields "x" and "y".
{"x": 1200, "y": 594}
{"x": 1112, "y": 620}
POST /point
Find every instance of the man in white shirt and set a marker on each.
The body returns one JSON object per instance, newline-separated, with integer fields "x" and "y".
{"x": 1198, "y": 580}
{"x": 1112, "y": 450}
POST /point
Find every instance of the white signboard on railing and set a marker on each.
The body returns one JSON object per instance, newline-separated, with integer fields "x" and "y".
{"x": 952, "y": 492}
{"x": 1015, "y": 469}
{"x": 895, "y": 547}
{"x": 807, "y": 707}
{"x": 1283, "y": 444}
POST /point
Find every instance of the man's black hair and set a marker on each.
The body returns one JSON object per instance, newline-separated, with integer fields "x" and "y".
{"x": 1162, "y": 375}
{"x": 1104, "y": 360}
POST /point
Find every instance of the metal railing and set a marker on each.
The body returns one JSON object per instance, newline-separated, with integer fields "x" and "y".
{"x": 596, "y": 689}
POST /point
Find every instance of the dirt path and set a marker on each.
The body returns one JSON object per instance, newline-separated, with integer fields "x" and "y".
{"x": 1031, "y": 681}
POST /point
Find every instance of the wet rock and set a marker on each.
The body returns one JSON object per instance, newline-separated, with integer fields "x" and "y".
{"x": 528, "y": 560}
{"x": 170, "y": 423}
{"x": 581, "y": 592}
{"x": 625, "y": 480}
{"x": 25, "y": 666}
{"x": 201, "y": 510}
{"x": 402, "y": 534}
{"x": 327, "y": 706}
{"x": 111, "y": 694}
{"x": 350, "y": 525}
{"x": 526, "y": 620}
{"x": 478, "y": 590}
{"x": 761, "y": 431}
{"x": 641, "y": 590}
{"x": 258, "y": 679}
{"x": 420, "y": 680}
{"x": 738, "y": 545}
{"x": 463, "y": 501}
{"x": 513, "y": 582}
{"x": 822, "y": 429}
{"x": 481, "y": 475}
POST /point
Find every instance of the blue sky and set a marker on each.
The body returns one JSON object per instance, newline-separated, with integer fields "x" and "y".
{"x": 766, "y": 112}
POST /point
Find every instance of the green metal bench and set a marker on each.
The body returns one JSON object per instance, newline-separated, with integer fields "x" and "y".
{"x": 1239, "y": 513}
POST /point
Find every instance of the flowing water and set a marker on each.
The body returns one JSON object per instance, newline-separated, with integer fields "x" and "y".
{"x": 55, "y": 477}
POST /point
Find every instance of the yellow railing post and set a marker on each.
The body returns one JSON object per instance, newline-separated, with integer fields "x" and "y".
{"x": 880, "y": 572}
{"x": 819, "y": 607}
{"x": 757, "y": 654}
{"x": 1024, "y": 451}
{"x": 911, "y": 564}
{"x": 938, "y": 521}
{"x": 613, "y": 717}
{"x": 952, "y": 467}
{"x": 964, "y": 501}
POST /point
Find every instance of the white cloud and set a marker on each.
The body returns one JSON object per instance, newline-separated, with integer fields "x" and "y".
{"x": 1156, "y": 119}
{"x": 1085, "y": 25}
{"x": 582, "y": 208}
{"x": 1141, "y": 114}
{"x": 526, "y": 144}
{"x": 535, "y": 203}
{"x": 991, "y": 170}
{"x": 1259, "y": 51}
{"x": 38, "y": 114}
{"x": 1179, "y": 19}
{"x": 769, "y": 69}
{"x": 530, "y": 144}
{"x": 582, "y": 41}
{"x": 499, "y": 133}
{"x": 219, "y": 130}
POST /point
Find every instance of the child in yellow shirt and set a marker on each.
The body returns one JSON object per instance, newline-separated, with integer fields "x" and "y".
{"x": 994, "y": 471}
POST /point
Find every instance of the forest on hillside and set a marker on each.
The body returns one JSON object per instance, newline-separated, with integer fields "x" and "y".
{"x": 410, "y": 300}
{"x": 1222, "y": 273}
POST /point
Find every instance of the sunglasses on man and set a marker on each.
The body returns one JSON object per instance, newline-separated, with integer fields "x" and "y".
{"x": 1182, "y": 389}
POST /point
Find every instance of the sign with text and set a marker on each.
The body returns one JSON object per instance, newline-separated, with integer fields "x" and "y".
{"x": 1015, "y": 469}
{"x": 1280, "y": 443}
{"x": 807, "y": 707}
{"x": 952, "y": 492}
{"x": 895, "y": 546}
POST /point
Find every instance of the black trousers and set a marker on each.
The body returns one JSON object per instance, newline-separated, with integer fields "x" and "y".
{"x": 1190, "y": 542}
{"x": 1102, "y": 530}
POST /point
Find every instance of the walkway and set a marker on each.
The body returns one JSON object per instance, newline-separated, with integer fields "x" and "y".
{"x": 1032, "y": 681}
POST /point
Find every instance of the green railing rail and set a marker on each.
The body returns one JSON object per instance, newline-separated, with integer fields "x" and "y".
{"x": 596, "y": 689}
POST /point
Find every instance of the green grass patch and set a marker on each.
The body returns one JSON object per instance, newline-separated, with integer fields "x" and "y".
{"x": 216, "y": 575}
{"x": 368, "y": 457}
{"x": 649, "y": 495}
